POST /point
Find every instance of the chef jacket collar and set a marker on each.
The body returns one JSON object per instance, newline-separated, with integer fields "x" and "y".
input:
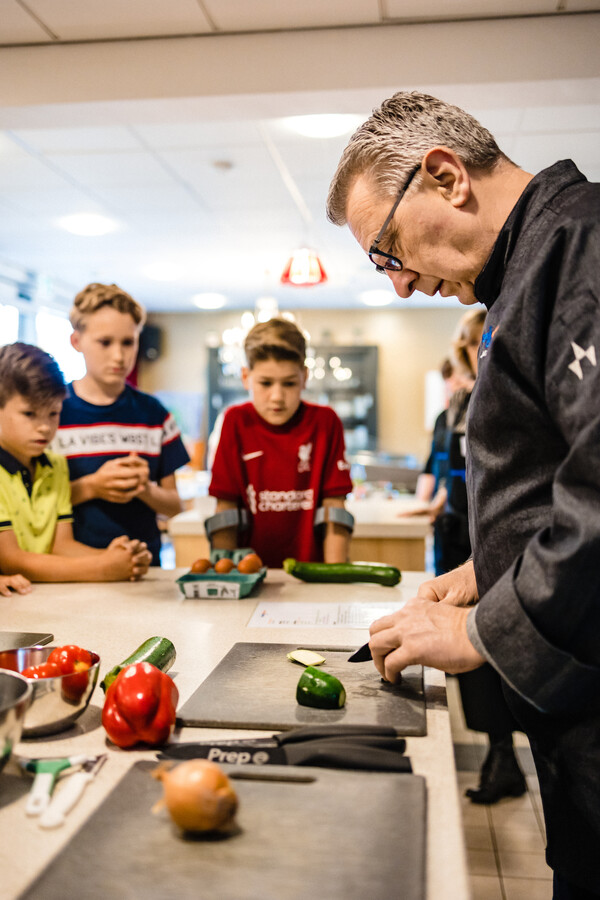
{"x": 539, "y": 191}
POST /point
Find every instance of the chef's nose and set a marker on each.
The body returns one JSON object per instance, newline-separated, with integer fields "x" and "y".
{"x": 404, "y": 282}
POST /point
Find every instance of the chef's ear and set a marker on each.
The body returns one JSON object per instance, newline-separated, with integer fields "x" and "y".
{"x": 447, "y": 173}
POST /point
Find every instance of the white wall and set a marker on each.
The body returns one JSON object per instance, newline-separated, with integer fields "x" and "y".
{"x": 410, "y": 341}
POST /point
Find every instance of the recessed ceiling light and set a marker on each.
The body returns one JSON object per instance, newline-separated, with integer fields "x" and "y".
{"x": 377, "y": 298}
{"x": 88, "y": 224}
{"x": 209, "y": 301}
{"x": 324, "y": 125}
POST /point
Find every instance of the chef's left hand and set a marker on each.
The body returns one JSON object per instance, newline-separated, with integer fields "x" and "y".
{"x": 423, "y": 632}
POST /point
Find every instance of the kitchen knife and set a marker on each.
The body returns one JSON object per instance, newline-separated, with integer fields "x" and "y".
{"x": 64, "y": 800}
{"x": 363, "y": 654}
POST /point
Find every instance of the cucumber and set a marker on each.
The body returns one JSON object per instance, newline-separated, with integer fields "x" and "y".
{"x": 319, "y": 689}
{"x": 156, "y": 650}
{"x": 343, "y": 572}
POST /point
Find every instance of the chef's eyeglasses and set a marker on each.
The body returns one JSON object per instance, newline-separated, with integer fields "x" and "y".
{"x": 381, "y": 260}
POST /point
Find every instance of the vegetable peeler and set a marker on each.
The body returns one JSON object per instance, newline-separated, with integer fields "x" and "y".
{"x": 45, "y": 771}
{"x": 65, "y": 799}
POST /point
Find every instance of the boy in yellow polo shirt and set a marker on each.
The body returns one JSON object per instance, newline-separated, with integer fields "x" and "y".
{"x": 36, "y": 534}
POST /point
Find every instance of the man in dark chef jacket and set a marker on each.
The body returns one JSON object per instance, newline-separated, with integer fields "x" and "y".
{"x": 438, "y": 207}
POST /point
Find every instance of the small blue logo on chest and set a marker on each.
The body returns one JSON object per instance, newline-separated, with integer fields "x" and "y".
{"x": 486, "y": 338}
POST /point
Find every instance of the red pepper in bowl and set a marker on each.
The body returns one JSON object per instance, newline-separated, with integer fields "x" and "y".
{"x": 140, "y": 706}
{"x": 43, "y": 670}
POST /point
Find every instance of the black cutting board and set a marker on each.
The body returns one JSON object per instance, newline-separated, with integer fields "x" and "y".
{"x": 13, "y": 640}
{"x": 254, "y": 687}
{"x": 323, "y": 834}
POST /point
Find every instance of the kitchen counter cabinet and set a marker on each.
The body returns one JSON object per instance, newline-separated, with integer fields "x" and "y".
{"x": 113, "y": 619}
{"x": 381, "y": 532}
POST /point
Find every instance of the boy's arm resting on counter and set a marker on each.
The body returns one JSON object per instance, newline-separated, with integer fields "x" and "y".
{"x": 121, "y": 561}
{"x": 336, "y": 542}
{"x": 225, "y": 538}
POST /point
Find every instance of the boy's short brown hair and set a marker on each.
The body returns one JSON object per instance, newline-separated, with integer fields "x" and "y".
{"x": 31, "y": 372}
{"x": 94, "y": 296}
{"x": 277, "y": 339}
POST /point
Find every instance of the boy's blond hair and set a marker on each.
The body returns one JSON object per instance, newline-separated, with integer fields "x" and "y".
{"x": 277, "y": 339}
{"x": 31, "y": 372}
{"x": 95, "y": 296}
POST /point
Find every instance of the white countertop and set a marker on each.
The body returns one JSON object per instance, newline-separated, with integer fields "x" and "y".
{"x": 374, "y": 517}
{"x": 113, "y": 619}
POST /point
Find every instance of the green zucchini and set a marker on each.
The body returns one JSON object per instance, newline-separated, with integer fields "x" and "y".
{"x": 156, "y": 650}
{"x": 319, "y": 689}
{"x": 343, "y": 572}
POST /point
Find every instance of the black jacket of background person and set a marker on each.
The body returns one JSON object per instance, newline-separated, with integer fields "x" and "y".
{"x": 534, "y": 496}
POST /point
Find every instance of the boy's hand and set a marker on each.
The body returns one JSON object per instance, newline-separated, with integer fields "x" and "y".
{"x": 10, "y": 584}
{"x": 140, "y": 555}
{"x": 120, "y": 480}
{"x": 121, "y": 563}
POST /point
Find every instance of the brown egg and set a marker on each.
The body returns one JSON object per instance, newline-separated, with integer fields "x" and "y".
{"x": 250, "y": 564}
{"x": 224, "y": 565}
{"x": 199, "y": 566}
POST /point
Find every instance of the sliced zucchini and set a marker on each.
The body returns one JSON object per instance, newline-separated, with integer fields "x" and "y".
{"x": 306, "y": 657}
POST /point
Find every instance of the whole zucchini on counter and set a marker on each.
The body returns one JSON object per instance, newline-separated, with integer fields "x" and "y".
{"x": 344, "y": 573}
{"x": 159, "y": 651}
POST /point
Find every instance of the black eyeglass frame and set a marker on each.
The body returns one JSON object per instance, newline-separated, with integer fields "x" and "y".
{"x": 396, "y": 266}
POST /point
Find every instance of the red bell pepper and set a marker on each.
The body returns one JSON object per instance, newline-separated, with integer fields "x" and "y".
{"x": 140, "y": 706}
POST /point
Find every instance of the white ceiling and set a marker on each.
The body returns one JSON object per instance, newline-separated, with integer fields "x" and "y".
{"x": 168, "y": 116}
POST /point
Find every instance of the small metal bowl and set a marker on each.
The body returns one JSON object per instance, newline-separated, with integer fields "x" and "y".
{"x": 56, "y": 702}
{"x": 15, "y": 696}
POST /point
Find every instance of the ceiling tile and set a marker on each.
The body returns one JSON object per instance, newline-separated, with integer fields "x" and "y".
{"x": 77, "y": 140}
{"x": 76, "y": 20}
{"x": 18, "y": 27}
{"x": 457, "y": 9}
{"x": 269, "y": 15}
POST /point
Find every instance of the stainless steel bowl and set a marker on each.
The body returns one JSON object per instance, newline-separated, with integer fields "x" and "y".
{"x": 15, "y": 696}
{"x": 56, "y": 702}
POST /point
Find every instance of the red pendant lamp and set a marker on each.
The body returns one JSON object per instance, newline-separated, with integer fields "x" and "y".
{"x": 303, "y": 269}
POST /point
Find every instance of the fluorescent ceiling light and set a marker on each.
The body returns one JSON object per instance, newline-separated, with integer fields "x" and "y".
{"x": 324, "y": 125}
{"x": 377, "y": 298}
{"x": 88, "y": 224}
{"x": 209, "y": 301}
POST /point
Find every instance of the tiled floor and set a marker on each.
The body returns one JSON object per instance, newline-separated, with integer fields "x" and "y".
{"x": 505, "y": 841}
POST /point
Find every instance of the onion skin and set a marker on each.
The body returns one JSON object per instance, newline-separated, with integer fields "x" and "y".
{"x": 198, "y": 795}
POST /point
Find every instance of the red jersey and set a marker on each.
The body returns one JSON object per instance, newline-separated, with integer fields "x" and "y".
{"x": 280, "y": 474}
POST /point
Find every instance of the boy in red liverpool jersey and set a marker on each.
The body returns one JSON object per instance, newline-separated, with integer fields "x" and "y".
{"x": 281, "y": 458}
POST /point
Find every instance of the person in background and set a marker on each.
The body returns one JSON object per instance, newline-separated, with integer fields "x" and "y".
{"x": 122, "y": 445}
{"x": 282, "y": 459}
{"x": 428, "y": 482}
{"x": 439, "y": 207}
{"x": 36, "y": 534}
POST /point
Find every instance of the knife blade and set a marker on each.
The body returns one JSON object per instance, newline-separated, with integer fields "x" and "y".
{"x": 363, "y": 654}
{"x": 64, "y": 800}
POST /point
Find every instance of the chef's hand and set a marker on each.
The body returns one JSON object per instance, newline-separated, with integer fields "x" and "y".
{"x": 423, "y": 632}
{"x": 457, "y": 587}
{"x": 10, "y": 584}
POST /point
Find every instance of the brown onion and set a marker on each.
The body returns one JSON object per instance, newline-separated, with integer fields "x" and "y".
{"x": 198, "y": 795}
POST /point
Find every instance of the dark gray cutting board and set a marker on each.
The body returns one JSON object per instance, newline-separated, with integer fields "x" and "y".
{"x": 12, "y": 640}
{"x": 254, "y": 687}
{"x": 329, "y": 834}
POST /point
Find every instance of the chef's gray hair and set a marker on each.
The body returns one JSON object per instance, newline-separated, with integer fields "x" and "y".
{"x": 396, "y": 138}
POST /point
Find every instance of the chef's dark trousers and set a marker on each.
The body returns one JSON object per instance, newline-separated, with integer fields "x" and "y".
{"x": 566, "y": 751}
{"x": 451, "y": 545}
{"x": 565, "y": 890}
{"x": 484, "y": 703}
